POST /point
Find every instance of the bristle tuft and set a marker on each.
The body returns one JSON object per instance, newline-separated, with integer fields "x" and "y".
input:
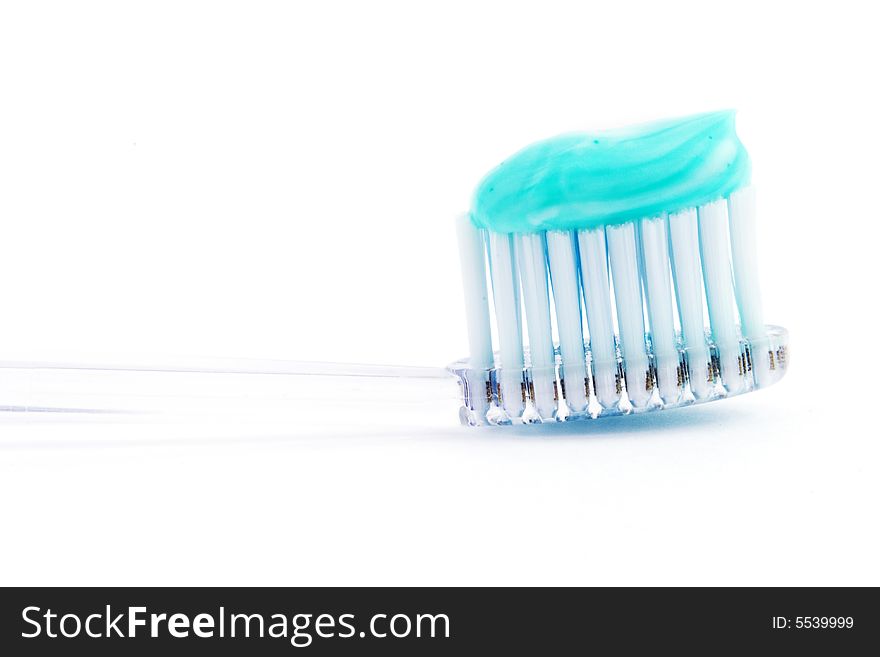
{"x": 616, "y": 296}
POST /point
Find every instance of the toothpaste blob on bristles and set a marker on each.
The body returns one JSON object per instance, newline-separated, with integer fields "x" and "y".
{"x": 587, "y": 180}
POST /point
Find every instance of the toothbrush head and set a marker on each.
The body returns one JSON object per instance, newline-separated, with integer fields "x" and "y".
{"x": 615, "y": 247}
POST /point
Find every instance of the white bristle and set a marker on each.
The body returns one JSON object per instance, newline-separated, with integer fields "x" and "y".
{"x": 744, "y": 251}
{"x": 624, "y": 257}
{"x": 642, "y": 279}
{"x": 687, "y": 273}
{"x": 718, "y": 277}
{"x": 562, "y": 256}
{"x": 533, "y": 274}
{"x": 505, "y": 289}
{"x": 472, "y": 248}
{"x": 658, "y": 292}
{"x": 597, "y": 302}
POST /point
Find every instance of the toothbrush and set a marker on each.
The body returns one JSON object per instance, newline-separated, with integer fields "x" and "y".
{"x": 634, "y": 235}
{"x": 595, "y": 258}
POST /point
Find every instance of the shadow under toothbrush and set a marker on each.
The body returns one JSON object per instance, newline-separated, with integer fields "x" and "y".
{"x": 683, "y": 420}
{"x": 701, "y": 416}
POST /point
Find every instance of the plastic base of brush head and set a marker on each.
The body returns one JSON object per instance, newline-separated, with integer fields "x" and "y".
{"x": 693, "y": 375}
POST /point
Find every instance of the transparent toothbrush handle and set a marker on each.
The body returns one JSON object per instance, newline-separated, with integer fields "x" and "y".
{"x": 223, "y": 387}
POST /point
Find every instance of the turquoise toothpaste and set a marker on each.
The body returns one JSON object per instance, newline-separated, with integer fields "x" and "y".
{"x": 583, "y": 180}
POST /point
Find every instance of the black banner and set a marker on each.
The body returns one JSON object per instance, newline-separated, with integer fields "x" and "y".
{"x": 429, "y": 621}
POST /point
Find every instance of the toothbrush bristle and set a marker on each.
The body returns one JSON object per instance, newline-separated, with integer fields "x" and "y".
{"x": 629, "y": 302}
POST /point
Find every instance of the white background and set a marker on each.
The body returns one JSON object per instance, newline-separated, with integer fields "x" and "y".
{"x": 278, "y": 180}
